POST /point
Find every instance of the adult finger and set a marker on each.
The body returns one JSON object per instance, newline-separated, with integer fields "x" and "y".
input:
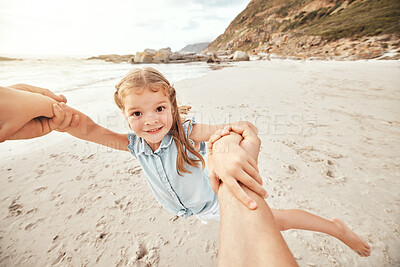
{"x": 50, "y": 94}
{"x": 249, "y": 134}
{"x": 39, "y": 90}
{"x": 64, "y": 99}
{"x": 252, "y": 184}
{"x": 58, "y": 118}
{"x": 252, "y": 162}
{"x": 240, "y": 194}
{"x": 253, "y": 172}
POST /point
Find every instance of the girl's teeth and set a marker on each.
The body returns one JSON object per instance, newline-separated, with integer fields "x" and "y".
{"x": 155, "y": 130}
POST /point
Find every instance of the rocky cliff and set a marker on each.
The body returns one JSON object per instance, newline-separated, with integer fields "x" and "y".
{"x": 350, "y": 29}
{"x": 194, "y": 48}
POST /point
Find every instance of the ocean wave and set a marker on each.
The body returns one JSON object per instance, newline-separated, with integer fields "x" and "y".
{"x": 86, "y": 83}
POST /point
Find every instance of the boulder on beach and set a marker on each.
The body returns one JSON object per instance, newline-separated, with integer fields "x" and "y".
{"x": 136, "y": 59}
{"x": 178, "y": 56}
{"x": 9, "y": 59}
{"x": 143, "y": 57}
{"x": 114, "y": 58}
{"x": 162, "y": 55}
{"x": 146, "y": 58}
{"x": 150, "y": 51}
{"x": 240, "y": 56}
{"x": 213, "y": 58}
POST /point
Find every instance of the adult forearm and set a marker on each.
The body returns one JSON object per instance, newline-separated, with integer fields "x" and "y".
{"x": 19, "y": 107}
{"x": 27, "y": 103}
{"x": 249, "y": 237}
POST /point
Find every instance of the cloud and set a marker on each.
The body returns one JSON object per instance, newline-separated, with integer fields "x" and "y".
{"x": 121, "y": 26}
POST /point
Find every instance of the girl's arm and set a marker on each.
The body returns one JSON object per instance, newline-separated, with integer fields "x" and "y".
{"x": 203, "y": 132}
{"x": 88, "y": 130}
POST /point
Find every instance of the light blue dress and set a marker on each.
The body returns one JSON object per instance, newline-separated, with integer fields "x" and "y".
{"x": 186, "y": 195}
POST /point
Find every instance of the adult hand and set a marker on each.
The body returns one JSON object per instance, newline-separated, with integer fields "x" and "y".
{"x": 40, "y": 126}
{"x": 229, "y": 162}
{"x": 39, "y": 90}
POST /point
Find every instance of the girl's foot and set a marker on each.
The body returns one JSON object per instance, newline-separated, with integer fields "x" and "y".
{"x": 347, "y": 236}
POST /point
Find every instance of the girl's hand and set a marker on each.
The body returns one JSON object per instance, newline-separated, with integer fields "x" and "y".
{"x": 232, "y": 164}
{"x": 70, "y": 120}
{"x": 216, "y": 136}
{"x": 250, "y": 143}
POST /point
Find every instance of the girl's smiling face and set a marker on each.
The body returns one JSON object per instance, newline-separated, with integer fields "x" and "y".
{"x": 149, "y": 115}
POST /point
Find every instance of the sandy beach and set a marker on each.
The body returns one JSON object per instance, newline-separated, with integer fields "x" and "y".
{"x": 330, "y": 136}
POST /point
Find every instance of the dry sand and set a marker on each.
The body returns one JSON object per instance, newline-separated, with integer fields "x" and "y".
{"x": 330, "y": 133}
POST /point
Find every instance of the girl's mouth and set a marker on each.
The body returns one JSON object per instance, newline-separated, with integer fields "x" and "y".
{"x": 154, "y": 131}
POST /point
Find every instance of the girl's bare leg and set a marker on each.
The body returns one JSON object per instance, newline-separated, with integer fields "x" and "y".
{"x": 302, "y": 220}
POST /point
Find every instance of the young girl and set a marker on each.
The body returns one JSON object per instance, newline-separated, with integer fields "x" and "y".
{"x": 171, "y": 155}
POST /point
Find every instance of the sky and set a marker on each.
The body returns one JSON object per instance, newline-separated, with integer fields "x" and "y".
{"x": 93, "y": 27}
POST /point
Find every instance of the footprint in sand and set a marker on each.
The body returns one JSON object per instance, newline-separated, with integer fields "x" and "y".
{"x": 210, "y": 247}
{"x": 134, "y": 170}
{"x": 80, "y": 211}
{"x": 15, "y": 209}
{"x": 60, "y": 258}
{"x": 30, "y": 226}
{"x": 39, "y": 173}
{"x": 144, "y": 256}
{"x": 330, "y": 162}
{"x": 174, "y": 218}
{"x": 330, "y": 171}
{"x": 290, "y": 168}
{"x": 86, "y": 159}
{"x": 40, "y": 189}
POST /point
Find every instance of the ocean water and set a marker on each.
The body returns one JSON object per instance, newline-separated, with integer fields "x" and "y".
{"x": 64, "y": 74}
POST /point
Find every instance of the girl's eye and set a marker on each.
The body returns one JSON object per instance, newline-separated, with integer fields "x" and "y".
{"x": 159, "y": 109}
{"x": 136, "y": 114}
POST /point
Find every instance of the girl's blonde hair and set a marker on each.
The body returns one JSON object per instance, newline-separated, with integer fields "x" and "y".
{"x": 138, "y": 80}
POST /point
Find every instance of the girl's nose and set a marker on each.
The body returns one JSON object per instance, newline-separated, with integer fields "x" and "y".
{"x": 151, "y": 121}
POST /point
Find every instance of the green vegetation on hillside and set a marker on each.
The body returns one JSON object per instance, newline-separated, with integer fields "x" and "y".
{"x": 363, "y": 18}
{"x": 337, "y": 19}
